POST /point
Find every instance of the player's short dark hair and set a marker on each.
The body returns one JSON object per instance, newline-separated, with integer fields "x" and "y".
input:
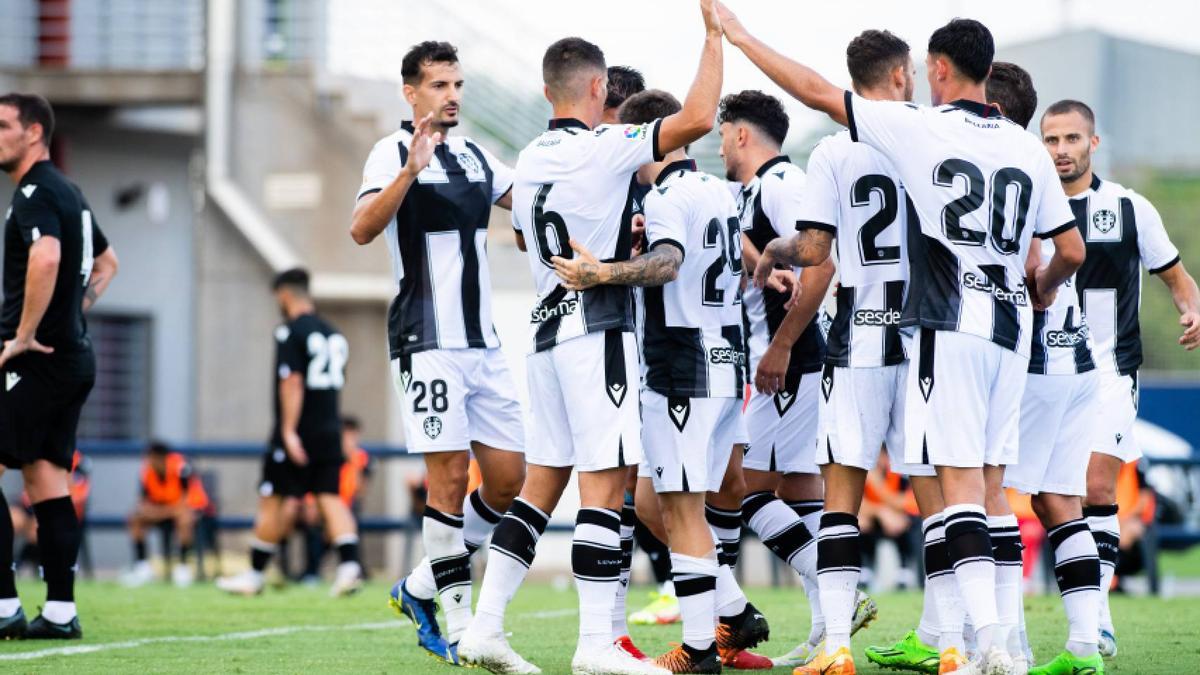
{"x": 350, "y": 423}
{"x": 158, "y": 448}
{"x": 1012, "y": 87}
{"x": 429, "y": 51}
{"x": 969, "y": 46}
{"x": 762, "y": 110}
{"x": 295, "y": 279}
{"x": 623, "y": 82}
{"x": 1069, "y": 105}
{"x": 873, "y": 54}
{"x": 565, "y": 58}
{"x": 31, "y": 109}
{"x": 648, "y": 106}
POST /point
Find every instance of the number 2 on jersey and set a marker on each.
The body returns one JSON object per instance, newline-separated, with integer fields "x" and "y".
{"x": 327, "y": 356}
{"x": 547, "y": 224}
{"x": 1001, "y": 181}
{"x": 869, "y": 252}
{"x": 729, "y": 241}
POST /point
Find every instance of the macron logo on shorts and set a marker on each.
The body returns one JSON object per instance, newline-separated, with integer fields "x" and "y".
{"x": 11, "y": 380}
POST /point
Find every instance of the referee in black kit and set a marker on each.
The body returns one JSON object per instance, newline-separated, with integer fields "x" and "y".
{"x": 56, "y": 263}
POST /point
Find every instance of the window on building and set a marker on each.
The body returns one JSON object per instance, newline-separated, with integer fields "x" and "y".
{"x": 119, "y": 405}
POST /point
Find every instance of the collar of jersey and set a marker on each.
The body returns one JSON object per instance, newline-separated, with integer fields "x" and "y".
{"x": 770, "y": 163}
{"x": 407, "y": 125}
{"x": 34, "y": 170}
{"x": 1093, "y": 188}
{"x": 679, "y": 165}
{"x": 565, "y": 122}
{"x": 977, "y": 108}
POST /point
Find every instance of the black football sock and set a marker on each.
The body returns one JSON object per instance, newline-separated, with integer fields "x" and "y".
{"x": 8, "y": 585}
{"x": 58, "y": 538}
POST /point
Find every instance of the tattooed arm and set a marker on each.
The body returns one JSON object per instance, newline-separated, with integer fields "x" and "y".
{"x": 657, "y": 267}
{"x": 806, "y": 248}
{"x": 103, "y": 270}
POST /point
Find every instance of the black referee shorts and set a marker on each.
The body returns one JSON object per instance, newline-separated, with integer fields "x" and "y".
{"x": 322, "y": 475}
{"x": 41, "y": 396}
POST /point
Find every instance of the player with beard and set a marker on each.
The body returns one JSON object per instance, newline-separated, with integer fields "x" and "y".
{"x": 982, "y": 190}
{"x": 431, "y": 194}
{"x": 57, "y": 262}
{"x": 1124, "y": 234}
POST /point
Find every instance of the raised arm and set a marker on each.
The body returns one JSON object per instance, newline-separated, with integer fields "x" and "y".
{"x": 802, "y": 82}
{"x": 375, "y": 210}
{"x": 699, "y": 111}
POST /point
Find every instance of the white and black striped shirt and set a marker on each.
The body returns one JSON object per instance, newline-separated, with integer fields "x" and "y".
{"x": 982, "y": 187}
{"x": 1062, "y": 342}
{"x": 1124, "y": 233}
{"x": 692, "y": 333}
{"x": 573, "y": 182}
{"x": 854, "y": 192}
{"x": 769, "y": 207}
{"x": 438, "y": 243}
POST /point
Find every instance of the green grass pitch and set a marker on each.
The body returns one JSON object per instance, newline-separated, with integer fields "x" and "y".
{"x": 159, "y": 629}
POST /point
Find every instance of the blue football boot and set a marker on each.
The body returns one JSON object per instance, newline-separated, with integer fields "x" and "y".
{"x": 423, "y": 614}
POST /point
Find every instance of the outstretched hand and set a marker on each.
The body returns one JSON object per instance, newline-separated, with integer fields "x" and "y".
{"x": 420, "y": 150}
{"x": 1191, "y": 330}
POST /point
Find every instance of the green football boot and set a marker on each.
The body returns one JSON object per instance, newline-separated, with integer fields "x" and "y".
{"x": 907, "y": 654}
{"x": 1067, "y": 663}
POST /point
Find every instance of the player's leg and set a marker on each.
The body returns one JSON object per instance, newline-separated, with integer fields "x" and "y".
{"x": 185, "y": 527}
{"x": 433, "y": 386}
{"x": 1114, "y": 445}
{"x": 943, "y": 613}
{"x": 145, "y": 515}
{"x": 1057, "y": 481}
{"x": 740, "y": 625}
{"x": 620, "y": 624}
{"x": 695, "y": 569}
{"x": 688, "y": 443}
{"x": 1003, "y": 441}
{"x": 956, "y": 385}
{"x": 787, "y": 471}
{"x": 514, "y": 542}
{"x": 342, "y": 531}
{"x": 1100, "y": 510}
{"x": 598, "y": 375}
{"x": 12, "y": 618}
{"x": 497, "y": 431}
{"x": 857, "y": 407}
{"x": 1077, "y": 568}
{"x": 47, "y": 485}
{"x": 1006, "y": 551}
{"x": 550, "y": 456}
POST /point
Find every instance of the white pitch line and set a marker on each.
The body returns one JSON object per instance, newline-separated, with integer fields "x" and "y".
{"x": 76, "y": 650}
{"x": 550, "y": 613}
